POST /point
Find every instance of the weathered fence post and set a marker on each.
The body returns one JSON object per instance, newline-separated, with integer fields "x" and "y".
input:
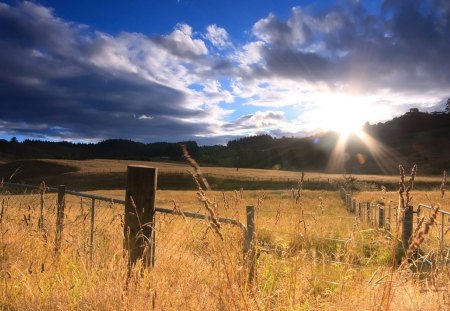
{"x": 407, "y": 227}
{"x": 91, "y": 246}
{"x": 249, "y": 245}
{"x": 60, "y": 217}
{"x": 368, "y": 212}
{"x": 381, "y": 215}
{"x": 139, "y": 218}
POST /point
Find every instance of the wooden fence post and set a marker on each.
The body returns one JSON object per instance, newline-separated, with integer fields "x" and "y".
{"x": 368, "y": 212}
{"x": 60, "y": 217}
{"x": 381, "y": 215}
{"x": 139, "y": 218}
{"x": 250, "y": 245}
{"x": 407, "y": 227}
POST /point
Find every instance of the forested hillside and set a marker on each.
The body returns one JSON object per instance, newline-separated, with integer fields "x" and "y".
{"x": 414, "y": 137}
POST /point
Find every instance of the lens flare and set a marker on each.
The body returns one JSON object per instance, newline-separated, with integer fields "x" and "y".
{"x": 360, "y": 158}
{"x": 385, "y": 157}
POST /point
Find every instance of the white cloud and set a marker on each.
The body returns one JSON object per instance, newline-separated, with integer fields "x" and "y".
{"x": 253, "y": 123}
{"x": 183, "y": 40}
{"x": 218, "y": 36}
{"x": 249, "y": 54}
{"x": 145, "y": 117}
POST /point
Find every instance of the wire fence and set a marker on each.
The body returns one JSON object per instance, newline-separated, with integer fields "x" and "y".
{"x": 373, "y": 213}
{"x": 93, "y": 229}
{"x": 387, "y": 217}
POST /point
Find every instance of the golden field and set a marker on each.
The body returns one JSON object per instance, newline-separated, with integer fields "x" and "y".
{"x": 313, "y": 255}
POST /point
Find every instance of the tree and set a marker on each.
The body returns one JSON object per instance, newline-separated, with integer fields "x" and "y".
{"x": 14, "y": 140}
{"x": 447, "y": 107}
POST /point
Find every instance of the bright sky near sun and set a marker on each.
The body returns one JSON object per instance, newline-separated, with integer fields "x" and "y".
{"x": 168, "y": 70}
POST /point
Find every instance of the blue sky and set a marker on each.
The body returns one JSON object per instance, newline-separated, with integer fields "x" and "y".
{"x": 214, "y": 70}
{"x": 157, "y": 17}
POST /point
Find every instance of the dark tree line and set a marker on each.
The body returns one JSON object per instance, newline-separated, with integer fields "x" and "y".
{"x": 416, "y": 137}
{"x": 108, "y": 149}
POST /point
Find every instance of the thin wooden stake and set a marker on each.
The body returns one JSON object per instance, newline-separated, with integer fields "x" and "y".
{"x": 60, "y": 217}
{"x": 250, "y": 245}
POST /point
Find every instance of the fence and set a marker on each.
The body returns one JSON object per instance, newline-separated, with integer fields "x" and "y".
{"x": 375, "y": 214}
{"x": 387, "y": 217}
{"x": 88, "y": 222}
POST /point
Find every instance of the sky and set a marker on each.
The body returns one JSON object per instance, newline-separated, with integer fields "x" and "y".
{"x": 211, "y": 71}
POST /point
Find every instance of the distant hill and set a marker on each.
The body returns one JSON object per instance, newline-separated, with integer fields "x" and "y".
{"x": 32, "y": 170}
{"x": 419, "y": 137}
{"x": 414, "y": 137}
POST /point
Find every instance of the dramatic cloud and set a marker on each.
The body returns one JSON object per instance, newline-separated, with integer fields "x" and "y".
{"x": 405, "y": 49}
{"x": 65, "y": 80}
{"x": 389, "y": 62}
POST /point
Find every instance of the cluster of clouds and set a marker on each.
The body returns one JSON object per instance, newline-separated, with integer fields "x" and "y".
{"x": 63, "y": 80}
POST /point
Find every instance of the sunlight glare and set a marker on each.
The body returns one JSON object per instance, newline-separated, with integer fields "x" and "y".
{"x": 344, "y": 114}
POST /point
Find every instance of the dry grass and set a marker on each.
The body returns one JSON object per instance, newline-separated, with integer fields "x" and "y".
{"x": 313, "y": 256}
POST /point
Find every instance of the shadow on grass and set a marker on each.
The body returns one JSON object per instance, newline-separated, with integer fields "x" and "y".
{"x": 184, "y": 181}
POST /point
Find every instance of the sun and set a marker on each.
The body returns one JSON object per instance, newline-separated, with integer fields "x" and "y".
{"x": 343, "y": 114}
{"x": 345, "y": 123}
